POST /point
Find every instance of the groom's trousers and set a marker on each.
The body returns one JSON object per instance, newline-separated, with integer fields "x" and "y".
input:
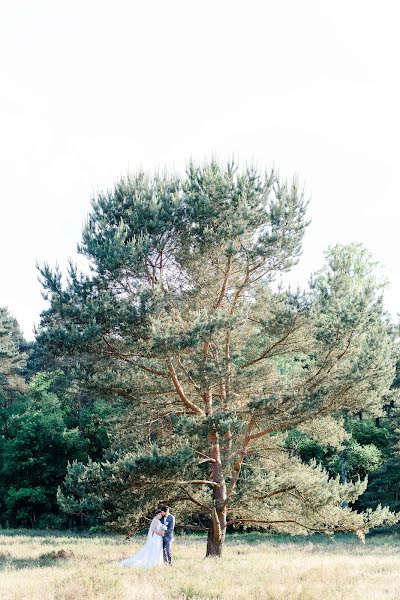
{"x": 167, "y": 550}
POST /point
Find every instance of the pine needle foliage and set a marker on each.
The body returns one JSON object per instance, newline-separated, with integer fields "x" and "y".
{"x": 13, "y": 359}
{"x": 179, "y": 316}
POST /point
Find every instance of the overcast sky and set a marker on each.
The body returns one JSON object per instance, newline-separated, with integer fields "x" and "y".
{"x": 92, "y": 89}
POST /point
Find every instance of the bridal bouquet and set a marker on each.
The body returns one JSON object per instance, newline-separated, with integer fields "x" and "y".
{"x": 163, "y": 527}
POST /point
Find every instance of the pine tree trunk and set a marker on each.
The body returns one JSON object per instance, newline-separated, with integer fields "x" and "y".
{"x": 216, "y": 533}
{"x": 344, "y": 504}
{"x": 214, "y": 547}
{"x": 216, "y": 536}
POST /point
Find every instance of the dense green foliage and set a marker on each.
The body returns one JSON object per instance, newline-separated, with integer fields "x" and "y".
{"x": 42, "y": 432}
{"x": 178, "y": 317}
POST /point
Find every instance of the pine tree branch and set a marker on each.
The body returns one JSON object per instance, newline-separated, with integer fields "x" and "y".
{"x": 190, "y": 497}
{"x": 192, "y": 482}
{"x": 224, "y": 284}
{"x": 182, "y": 396}
{"x": 295, "y": 522}
{"x": 328, "y": 406}
{"x": 337, "y": 359}
{"x": 276, "y": 492}
{"x": 208, "y": 402}
{"x": 228, "y": 367}
{"x": 243, "y": 285}
{"x": 192, "y": 381}
{"x": 125, "y": 358}
{"x": 265, "y": 354}
{"x": 207, "y": 458}
{"x": 236, "y": 521}
{"x": 150, "y": 370}
{"x": 311, "y": 415}
{"x": 243, "y": 451}
{"x": 255, "y": 436}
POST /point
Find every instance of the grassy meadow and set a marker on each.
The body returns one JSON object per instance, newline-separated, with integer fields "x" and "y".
{"x": 253, "y": 567}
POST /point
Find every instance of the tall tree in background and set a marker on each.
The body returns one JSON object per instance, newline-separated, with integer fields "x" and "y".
{"x": 13, "y": 359}
{"x": 179, "y": 318}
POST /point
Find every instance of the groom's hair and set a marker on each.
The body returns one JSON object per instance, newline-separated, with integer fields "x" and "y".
{"x": 164, "y": 508}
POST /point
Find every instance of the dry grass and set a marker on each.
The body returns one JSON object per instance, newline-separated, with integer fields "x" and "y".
{"x": 252, "y": 568}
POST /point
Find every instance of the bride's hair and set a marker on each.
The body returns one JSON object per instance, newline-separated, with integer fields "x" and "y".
{"x": 158, "y": 511}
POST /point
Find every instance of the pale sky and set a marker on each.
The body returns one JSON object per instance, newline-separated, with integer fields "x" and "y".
{"x": 91, "y": 89}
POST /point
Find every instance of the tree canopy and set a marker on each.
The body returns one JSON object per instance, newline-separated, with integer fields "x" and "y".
{"x": 180, "y": 317}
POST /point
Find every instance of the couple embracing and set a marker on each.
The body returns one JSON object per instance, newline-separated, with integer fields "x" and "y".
{"x": 157, "y": 548}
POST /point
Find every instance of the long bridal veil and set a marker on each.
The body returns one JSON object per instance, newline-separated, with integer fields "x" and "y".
{"x": 151, "y": 554}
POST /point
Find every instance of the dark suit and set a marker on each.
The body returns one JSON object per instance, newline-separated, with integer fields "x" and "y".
{"x": 168, "y": 537}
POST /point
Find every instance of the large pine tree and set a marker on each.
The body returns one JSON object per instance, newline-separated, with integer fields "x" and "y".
{"x": 179, "y": 316}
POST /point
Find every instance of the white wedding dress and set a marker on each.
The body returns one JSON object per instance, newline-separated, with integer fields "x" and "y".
{"x": 151, "y": 554}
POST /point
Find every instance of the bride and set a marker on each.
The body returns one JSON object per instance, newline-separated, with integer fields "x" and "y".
{"x": 152, "y": 552}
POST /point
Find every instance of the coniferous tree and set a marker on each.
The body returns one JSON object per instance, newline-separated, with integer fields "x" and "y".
{"x": 178, "y": 317}
{"x": 13, "y": 358}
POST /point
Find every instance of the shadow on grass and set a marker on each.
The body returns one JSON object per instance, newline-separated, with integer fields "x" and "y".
{"x": 49, "y": 533}
{"x": 346, "y": 542}
{"x": 255, "y": 537}
{"x": 55, "y": 537}
{"x": 378, "y": 537}
{"x": 9, "y": 563}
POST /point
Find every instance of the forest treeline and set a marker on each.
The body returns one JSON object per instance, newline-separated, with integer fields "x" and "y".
{"x": 177, "y": 370}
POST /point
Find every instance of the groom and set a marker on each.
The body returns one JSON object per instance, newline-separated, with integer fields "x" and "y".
{"x": 169, "y": 521}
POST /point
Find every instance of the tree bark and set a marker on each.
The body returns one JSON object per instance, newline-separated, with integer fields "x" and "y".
{"x": 216, "y": 533}
{"x": 344, "y": 504}
{"x": 214, "y": 547}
